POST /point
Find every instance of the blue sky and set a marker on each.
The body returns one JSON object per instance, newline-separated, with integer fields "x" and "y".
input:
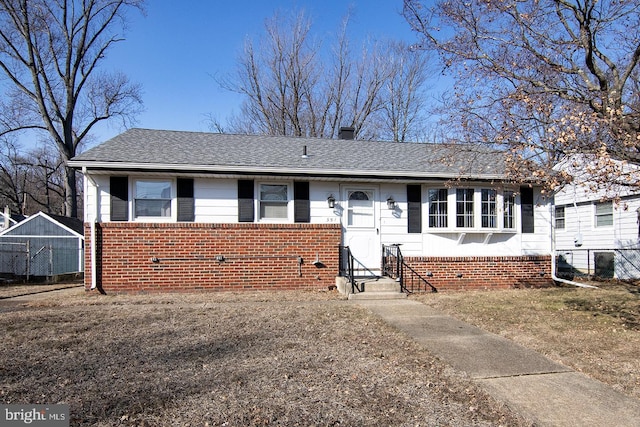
{"x": 176, "y": 49}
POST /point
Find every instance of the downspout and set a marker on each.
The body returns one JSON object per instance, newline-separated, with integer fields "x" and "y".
{"x": 553, "y": 257}
{"x": 93, "y": 221}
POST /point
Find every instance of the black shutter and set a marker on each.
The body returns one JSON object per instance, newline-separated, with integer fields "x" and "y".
{"x": 526, "y": 208}
{"x": 301, "y": 205}
{"x": 414, "y": 210}
{"x": 245, "y": 200}
{"x": 119, "y": 188}
{"x": 186, "y": 209}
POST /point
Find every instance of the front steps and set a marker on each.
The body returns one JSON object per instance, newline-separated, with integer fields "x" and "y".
{"x": 379, "y": 288}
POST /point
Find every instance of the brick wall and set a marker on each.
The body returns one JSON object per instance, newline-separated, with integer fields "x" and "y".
{"x": 499, "y": 272}
{"x": 143, "y": 257}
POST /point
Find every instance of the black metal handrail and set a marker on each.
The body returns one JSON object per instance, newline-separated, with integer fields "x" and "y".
{"x": 346, "y": 268}
{"x": 393, "y": 265}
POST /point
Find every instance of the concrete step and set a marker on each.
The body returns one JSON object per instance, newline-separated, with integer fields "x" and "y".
{"x": 378, "y": 288}
{"x": 368, "y": 295}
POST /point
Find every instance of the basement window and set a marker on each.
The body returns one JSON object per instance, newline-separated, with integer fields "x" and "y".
{"x": 152, "y": 198}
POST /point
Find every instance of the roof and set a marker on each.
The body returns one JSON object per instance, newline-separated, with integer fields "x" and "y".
{"x": 72, "y": 226}
{"x": 180, "y": 151}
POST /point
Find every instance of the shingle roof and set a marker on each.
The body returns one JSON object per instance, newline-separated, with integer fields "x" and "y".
{"x": 199, "y": 152}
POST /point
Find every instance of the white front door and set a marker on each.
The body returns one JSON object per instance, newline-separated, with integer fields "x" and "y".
{"x": 362, "y": 229}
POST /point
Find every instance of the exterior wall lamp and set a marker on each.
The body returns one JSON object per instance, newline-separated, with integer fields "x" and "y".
{"x": 331, "y": 201}
{"x": 391, "y": 204}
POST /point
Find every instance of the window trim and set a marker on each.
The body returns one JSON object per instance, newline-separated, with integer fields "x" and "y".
{"x": 562, "y": 217}
{"x": 438, "y": 216}
{"x": 513, "y": 214}
{"x": 289, "y": 202}
{"x": 452, "y": 210}
{"x": 599, "y": 216}
{"x": 466, "y": 215}
{"x": 490, "y": 214}
{"x": 172, "y": 217}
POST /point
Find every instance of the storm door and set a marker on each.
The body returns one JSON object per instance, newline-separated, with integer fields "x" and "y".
{"x": 361, "y": 229}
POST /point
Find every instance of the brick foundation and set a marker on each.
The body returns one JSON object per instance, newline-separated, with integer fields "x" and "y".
{"x": 143, "y": 257}
{"x": 499, "y": 272}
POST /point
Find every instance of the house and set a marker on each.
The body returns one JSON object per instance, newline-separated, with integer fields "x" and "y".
{"x": 7, "y": 219}
{"x": 168, "y": 210}
{"x": 42, "y": 246}
{"x": 597, "y": 227}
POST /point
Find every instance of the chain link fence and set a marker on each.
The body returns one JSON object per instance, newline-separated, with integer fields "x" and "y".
{"x": 623, "y": 264}
{"x": 26, "y": 261}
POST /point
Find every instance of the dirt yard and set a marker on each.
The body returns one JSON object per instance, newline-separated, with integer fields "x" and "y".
{"x": 291, "y": 358}
{"x": 286, "y": 358}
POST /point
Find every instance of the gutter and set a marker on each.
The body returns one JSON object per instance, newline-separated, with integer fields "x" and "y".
{"x": 387, "y": 174}
{"x": 94, "y": 220}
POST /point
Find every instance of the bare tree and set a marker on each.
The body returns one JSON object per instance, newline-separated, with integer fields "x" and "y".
{"x": 13, "y": 175}
{"x": 404, "y": 106}
{"x": 32, "y": 182}
{"x": 295, "y": 86}
{"x": 50, "y": 52}
{"x": 544, "y": 78}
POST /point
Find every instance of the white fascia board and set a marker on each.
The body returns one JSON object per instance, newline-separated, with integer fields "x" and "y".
{"x": 89, "y": 165}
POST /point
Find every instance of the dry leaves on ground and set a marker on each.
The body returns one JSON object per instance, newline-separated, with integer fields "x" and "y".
{"x": 284, "y": 358}
{"x": 594, "y": 331}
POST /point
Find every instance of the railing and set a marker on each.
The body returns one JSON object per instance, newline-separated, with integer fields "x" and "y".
{"x": 393, "y": 265}
{"x": 347, "y": 268}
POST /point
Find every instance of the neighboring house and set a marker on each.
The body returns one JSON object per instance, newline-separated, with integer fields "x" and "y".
{"x": 597, "y": 227}
{"x": 169, "y": 210}
{"x": 7, "y": 219}
{"x": 42, "y": 245}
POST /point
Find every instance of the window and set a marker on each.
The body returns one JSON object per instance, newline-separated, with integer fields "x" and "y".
{"x": 488, "y": 215}
{"x": 604, "y": 214}
{"x": 152, "y": 198}
{"x": 464, "y": 207}
{"x": 509, "y": 205}
{"x": 560, "y": 220}
{"x": 438, "y": 208}
{"x": 360, "y": 210}
{"x": 527, "y": 212}
{"x": 274, "y": 201}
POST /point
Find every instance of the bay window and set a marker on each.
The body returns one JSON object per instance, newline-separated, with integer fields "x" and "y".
{"x": 464, "y": 207}
{"x": 438, "y": 208}
{"x": 488, "y": 212}
{"x": 509, "y": 206}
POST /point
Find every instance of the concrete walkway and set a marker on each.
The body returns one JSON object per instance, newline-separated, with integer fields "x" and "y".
{"x": 545, "y": 392}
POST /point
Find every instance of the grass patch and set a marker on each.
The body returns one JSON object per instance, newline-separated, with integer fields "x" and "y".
{"x": 594, "y": 331}
{"x": 282, "y": 358}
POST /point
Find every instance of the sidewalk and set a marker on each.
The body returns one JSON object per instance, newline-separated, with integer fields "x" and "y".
{"x": 545, "y": 392}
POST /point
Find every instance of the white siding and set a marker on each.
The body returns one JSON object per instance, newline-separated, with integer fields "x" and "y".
{"x": 216, "y": 202}
{"x": 99, "y": 185}
{"x": 321, "y": 213}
